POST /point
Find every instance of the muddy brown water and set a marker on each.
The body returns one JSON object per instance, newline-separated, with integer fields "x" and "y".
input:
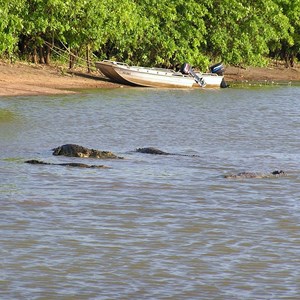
{"x": 151, "y": 227}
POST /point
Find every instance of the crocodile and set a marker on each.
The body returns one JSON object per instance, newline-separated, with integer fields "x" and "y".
{"x": 78, "y": 165}
{"x": 74, "y": 150}
{"x": 155, "y": 151}
{"x": 275, "y": 173}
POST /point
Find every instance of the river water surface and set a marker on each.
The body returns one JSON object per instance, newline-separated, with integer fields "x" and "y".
{"x": 151, "y": 227}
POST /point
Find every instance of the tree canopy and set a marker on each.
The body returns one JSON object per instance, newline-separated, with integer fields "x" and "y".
{"x": 152, "y": 32}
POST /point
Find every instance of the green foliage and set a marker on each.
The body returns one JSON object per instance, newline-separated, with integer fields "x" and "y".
{"x": 240, "y": 31}
{"x": 155, "y": 32}
{"x": 288, "y": 46}
{"x": 11, "y": 24}
{"x": 174, "y": 33}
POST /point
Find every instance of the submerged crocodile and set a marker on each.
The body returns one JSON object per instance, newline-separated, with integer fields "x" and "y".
{"x": 275, "y": 173}
{"x": 74, "y": 150}
{"x": 80, "y": 151}
{"x": 155, "y": 151}
{"x": 78, "y": 165}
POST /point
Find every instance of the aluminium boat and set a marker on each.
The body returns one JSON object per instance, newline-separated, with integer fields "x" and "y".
{"x": 159, "y": 77}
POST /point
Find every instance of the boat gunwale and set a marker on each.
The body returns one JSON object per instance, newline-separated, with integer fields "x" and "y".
{"x": 138, "y": 69}
{"x": 158, "y": 72}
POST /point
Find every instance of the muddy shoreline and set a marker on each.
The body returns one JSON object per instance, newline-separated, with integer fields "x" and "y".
{"x": 28, "y": 79}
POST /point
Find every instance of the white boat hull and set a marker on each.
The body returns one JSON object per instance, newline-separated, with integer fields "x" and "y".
{"x": 153, "y": 77}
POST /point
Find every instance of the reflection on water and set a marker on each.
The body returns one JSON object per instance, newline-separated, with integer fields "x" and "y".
{"x": 6, "y": 115}
{"x": 151, "y": 227}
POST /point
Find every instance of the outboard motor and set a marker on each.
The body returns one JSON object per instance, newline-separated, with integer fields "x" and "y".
{"x": 187, "y": 70}
{"x": 217, "y": 69}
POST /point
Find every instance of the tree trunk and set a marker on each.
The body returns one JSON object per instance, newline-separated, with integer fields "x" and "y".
{"x": 41, "y": 55}
{"x": 34, "y": 56}
{"x": 292, "y": 60}
{"x": 72, "y": 59}
{"x": 88, "y": 63}
{"x": 47, "y": 53}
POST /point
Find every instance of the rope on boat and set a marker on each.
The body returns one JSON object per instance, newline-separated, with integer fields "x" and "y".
{"x": 67, "y": 53}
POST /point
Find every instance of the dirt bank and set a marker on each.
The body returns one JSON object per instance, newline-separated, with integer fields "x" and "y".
{"x": 276, "y": 73}
{"x": 28, "y": 79}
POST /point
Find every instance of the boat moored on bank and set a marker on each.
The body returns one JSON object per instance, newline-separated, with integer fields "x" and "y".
{"x": 159, "y": 77}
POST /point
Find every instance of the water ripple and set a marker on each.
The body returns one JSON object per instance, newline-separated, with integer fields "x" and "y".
{"x": 152, "y": 227}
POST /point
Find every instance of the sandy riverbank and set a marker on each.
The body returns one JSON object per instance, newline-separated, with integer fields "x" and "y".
{"x": 277, "y": 73}
{"x": 27, "y": 79}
